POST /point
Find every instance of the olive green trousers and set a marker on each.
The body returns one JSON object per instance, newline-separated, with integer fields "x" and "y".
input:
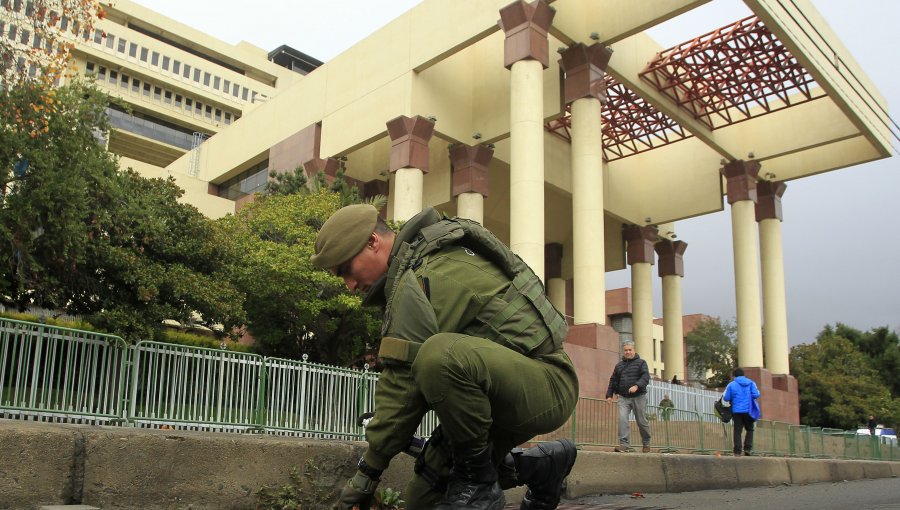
{"x": 486, "y": 394}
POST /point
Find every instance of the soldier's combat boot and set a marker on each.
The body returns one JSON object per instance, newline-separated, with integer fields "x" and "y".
{"x": 473, "y": 484}
{"x": 543, "y": 469}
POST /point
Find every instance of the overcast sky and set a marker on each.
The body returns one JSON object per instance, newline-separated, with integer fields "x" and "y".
{"x": 841, "y": 242}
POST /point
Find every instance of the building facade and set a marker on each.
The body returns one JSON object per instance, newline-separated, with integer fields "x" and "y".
{"x": 564, "y": 128}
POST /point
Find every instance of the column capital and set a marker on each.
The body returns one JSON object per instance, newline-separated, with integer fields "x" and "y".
{"x": 639, "y": 242}
{"x": 375, "y": 187}
{"x": 585, "y": 67}
{"x": 315, "y": 165}
{"x": 470, "y": 169}
{"x": 409, "y": 142}
{"x": 740, "y": 177}
{"x": 768, "y": 203}
{"x": 671, "y": 257}
{"x": 526, "y": 25}
{"x": 553, "y": 254}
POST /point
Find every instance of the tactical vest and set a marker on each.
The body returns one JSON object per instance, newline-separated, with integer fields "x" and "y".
{"x": 521, "y": 318}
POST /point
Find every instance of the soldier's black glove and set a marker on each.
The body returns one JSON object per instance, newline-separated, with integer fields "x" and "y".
{"x": 360, "y": 490}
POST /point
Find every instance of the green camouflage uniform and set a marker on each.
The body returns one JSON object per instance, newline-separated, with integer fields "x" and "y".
{"x": 493, "y": 369}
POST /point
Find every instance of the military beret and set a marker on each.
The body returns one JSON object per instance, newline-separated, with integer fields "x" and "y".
{"x": 343, "y": 235}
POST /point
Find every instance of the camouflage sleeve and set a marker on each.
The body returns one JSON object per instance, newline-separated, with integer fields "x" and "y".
{"x": 399, "y": 406}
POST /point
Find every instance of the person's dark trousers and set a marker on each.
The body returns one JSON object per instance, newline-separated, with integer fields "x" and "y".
{"x": 742, "y": 422}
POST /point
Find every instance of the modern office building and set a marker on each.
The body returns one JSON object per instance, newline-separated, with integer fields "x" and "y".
{"x": 562, "y": 126}
{"x": 181, "y": 87}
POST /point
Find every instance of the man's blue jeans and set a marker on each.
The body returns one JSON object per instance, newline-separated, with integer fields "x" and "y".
{"x": 637, "y": 405}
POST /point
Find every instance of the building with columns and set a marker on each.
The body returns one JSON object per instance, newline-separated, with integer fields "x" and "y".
{"x": 566, "y": 130}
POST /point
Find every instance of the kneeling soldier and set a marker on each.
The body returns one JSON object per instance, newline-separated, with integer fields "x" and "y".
{"x": 469, "y": 333}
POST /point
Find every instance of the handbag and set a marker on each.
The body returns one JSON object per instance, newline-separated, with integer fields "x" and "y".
{"x": 755, "y": 412}
{"x": 723, "y": 412}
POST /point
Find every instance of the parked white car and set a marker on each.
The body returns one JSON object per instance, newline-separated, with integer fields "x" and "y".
{"x": 886, "y": 435}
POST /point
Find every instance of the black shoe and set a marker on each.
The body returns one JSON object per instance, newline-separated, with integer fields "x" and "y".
{"x": 544, "y": 468}
{"x": 747, "y": 453}
{"x": 473, "y": 484}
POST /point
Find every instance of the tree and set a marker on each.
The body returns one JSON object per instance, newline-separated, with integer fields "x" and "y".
{"x": 838, "y": 385}
{"x": 38, "y": 37}
{"x": 712, "y": 346}
{"x": 85, "y": 238}
{"x": 882, "y": 347}
{"x": 292, "y": 307}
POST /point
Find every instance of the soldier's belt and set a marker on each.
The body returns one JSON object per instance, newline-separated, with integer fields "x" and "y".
{"x": 397, "y": 350}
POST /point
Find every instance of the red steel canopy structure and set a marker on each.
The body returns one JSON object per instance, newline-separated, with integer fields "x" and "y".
{"x": 726, "y": 76}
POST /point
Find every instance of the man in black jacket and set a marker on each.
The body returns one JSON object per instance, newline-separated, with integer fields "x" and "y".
{"x": 629, "y": 382}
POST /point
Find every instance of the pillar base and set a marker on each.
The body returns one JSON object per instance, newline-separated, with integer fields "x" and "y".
{"x": 594, "y": 350}
{"x": 780, "y": 398}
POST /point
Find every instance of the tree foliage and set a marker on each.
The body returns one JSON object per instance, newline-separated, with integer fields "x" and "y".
{"x": 292, "y": 307}
{"x": 82, "y": 237}
{"x": 712, "y": 346}
{"x": 839, "y": 384}
{"x": 882, "y": 347}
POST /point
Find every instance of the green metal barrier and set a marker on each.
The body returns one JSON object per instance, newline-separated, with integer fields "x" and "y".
{"x": 208, "y": 388}
{"x": 49, "y": 372}
{"x": 596, "y": 423}
{"x": 53, "y": 373}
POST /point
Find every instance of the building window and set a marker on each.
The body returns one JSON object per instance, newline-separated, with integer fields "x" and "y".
{"x": 101, "y": 74}
{"x": 226, "y": 86}
{"x": 206, "y": 77}
{"x": 208, "y": 111}
{"x": 113, "y": 76}
{"x": 235, "y": 90}
{"x": 188, "y": 103}
{"x": 227, "y": 118}
{"x": 135, "y": 86}
{"x": 121, "y": 47}
{"x": 132, "y": 50}
{"x": 157, "y": 93}
{"x": 187, "y": 71}
{"x": 144, "y": 52}
{"x": 147, "y": 89}
{"x": 176, "y": 66}
{"x": 244, "y": 93}
{"x": 110, "y": 41}
{"x": 124, "y": 82}
{"x": 216, "y": 82}
{"x": 167, "y": 97}
{"x": 253, "y": 180}
{"x": 165, "y": 64}
{"x": 98, "y": 36}
{"x": 218, "y": 115}
{"x": 197, "y": 75}
{"x": 198, "y": 107}
{"x": 154, "y": 59}
{"x": 178, "y": 100}
{"x": 90, "y": 67}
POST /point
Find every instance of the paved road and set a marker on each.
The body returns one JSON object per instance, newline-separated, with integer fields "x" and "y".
{"x": 882, "y": 494}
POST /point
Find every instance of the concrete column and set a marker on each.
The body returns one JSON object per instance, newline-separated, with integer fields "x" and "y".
{"x": 584, "y": 89}
{"x": 671, "y": 270}
{"x": 556, "y": 286}
{"x": 775, "y": 332}
{"x": 469, "y": 183}
{"x": 639, "y": 241}
{"x": 741, "y": 186}
{"x": 409, "y": 162}
{"x": 526, "y": 55}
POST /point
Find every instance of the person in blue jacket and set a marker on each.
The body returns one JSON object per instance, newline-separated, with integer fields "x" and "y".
{"x": 741, "y": 392}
